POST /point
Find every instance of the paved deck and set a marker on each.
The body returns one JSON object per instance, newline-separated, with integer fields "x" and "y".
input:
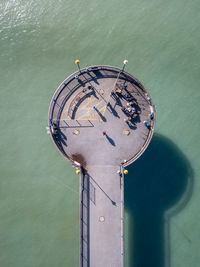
{"x": 79, "y": 127}
{"x": 84, "y": 106}
{"x": 102, "y": 217}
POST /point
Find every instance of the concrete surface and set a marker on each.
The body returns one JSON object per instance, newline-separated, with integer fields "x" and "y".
{"x": 102, "y": 217}
{"x": 89, "y": 124}
{"x": 72, "y": 108}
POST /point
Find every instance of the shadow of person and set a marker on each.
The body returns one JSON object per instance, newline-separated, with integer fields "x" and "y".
{"x": 159, "y": 184}
{"x": 110, "y": 140}
{"x": 100, "y": 114}
{"x": 114, "y": 112}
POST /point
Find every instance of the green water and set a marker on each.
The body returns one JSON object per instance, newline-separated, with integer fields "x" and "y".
{"x": 39, "y": 192}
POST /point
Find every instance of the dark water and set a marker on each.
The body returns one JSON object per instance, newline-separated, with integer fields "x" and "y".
{"x": 39, "y": 192}
{"x": 159, "y": 185}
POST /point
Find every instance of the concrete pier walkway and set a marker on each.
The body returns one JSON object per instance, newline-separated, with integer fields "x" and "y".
{"x": 102, "y": 217}
{"x": 101, "y": 118}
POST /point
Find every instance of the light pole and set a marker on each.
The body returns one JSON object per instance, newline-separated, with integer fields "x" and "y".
{"x": 125, "y": 62}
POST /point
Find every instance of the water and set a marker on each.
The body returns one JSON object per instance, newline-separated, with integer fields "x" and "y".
{"x": 39, "y": 199}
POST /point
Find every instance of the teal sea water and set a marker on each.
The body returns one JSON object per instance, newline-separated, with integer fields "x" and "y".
{"x": 39, "y": 191}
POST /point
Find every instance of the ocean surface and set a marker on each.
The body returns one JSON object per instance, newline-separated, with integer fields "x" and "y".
{"x": 39, "y": 191}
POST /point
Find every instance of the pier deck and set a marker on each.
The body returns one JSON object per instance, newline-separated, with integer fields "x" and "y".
{"x": 97, "y": 120}
{"x": 102, "y": 217}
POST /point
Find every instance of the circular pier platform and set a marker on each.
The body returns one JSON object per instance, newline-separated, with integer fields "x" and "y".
{"x": 101, "y": 115}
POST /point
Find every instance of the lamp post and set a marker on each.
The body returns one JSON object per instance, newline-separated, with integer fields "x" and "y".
{"x": 125, "y": 62}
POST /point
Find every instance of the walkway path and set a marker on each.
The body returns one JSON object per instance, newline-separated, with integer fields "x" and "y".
{"x": 102, "y": 209}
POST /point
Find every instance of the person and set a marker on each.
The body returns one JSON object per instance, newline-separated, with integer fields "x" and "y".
{"x": 134, "y": 115}
{"x": 104, "y": 133}
{"x": 130, "y": 110}
{"x": 126, "y": 96}
{"x": 130, "y": 103}
{"x": 146, "y": 123}
{"x": 151, "y": 116}
{"x": 127, "y": 119}
{"x": 118, "y": 90}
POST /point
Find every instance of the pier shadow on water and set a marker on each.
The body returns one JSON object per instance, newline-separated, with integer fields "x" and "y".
{"x": 158, "y": 186}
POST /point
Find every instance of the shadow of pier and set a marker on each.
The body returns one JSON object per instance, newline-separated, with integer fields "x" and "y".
{"x": 158, "y": 186}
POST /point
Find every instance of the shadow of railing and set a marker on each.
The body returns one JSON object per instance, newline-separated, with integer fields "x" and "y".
{"x": 94, "y": 181}
{"x": 85, "y": 220}
{"x": 159, "y": 184}
{"x": 76, "y": 124}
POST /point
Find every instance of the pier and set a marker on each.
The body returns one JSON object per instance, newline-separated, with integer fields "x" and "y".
{"x": 101, "y": 118}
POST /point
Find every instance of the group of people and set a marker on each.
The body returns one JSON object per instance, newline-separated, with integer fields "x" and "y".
{"x": 148, "y": 122}
{"x": 130, "y": 111}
